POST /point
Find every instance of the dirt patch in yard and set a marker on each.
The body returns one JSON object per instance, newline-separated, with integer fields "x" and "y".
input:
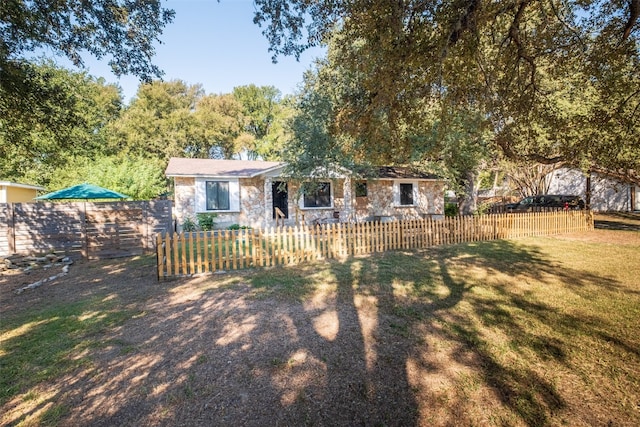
{"x": 213, "y": 351}
{"x": 226, "y": 350}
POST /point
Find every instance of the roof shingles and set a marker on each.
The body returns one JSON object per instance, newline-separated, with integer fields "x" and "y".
{"x": 219, "y": 168}
{"x": 252, "y": 168}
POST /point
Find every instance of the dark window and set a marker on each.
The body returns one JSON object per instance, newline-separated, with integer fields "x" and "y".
{"x": 217, "y": 195}
{"x": 318, "y": 196}
{"x": 406, "y": 194}
{"x": 361, "y": 189}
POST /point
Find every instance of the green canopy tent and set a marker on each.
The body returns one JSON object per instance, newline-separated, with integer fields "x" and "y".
{"x": 82, "y": 192}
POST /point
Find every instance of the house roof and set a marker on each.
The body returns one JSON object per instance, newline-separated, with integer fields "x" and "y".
{"x": 251, "y": 168}
{"x": 17, "y": 185}
{"x": 404, "y": 172}
{"x": 219, "y": 168}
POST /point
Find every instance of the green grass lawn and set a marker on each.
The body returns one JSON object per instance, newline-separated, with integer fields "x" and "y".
{"x": 537, "y": 331}
{"x": 548, "y": 327}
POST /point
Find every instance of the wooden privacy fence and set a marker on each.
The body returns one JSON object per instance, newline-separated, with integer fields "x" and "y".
{"x": 203, "y": 252}
{"x": 87, "y": 229}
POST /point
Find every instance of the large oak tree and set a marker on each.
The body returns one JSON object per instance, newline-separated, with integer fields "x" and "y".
{"x": 556, "y": 80}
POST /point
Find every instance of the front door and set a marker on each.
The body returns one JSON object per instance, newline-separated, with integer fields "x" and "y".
{"x": 637, "y": 198}
{"x": 280, "y": 197}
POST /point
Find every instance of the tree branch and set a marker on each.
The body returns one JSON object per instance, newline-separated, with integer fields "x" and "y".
{"x": 634, "y": 13}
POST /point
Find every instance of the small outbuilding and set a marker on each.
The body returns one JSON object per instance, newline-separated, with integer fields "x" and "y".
{"x": 12, "y": 192}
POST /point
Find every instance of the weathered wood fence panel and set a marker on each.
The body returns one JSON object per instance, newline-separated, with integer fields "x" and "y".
{"x": 204, "y": 252}
{"x": 87, "y": 229}
{"x": 6, "y": 227}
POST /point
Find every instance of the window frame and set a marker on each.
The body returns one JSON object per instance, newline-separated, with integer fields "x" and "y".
{"x": 397, "y": 194}
{"x": 218, "y": 186}
{"x": 406, "y": 197}
{"x": 360, "y": 185}
{"x": 201, "y": 194}
{"x": 304, "y": 197}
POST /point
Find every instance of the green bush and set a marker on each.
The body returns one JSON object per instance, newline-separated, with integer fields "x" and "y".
{"x": 188, "y": 224}
{"x": 238, "y": 227}
{"x": 450, "y": 209}
{"x": 206, "y": 221}
{"x": 483, "y": 209}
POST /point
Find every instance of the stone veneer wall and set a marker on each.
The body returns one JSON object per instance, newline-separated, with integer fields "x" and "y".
{"x": 380, "y": 197}
{"x": 251, "y": 206}
{"x": 379, "y": 201}
{"x": 252, "y": 202}
{"x": 185, "y": 198}
{"x": 433, "y": 197}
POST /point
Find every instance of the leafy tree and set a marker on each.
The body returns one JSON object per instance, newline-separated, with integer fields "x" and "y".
{"x": 123, "y": 30}
{"x": 459, "y": 150}
{"x": 556, "y": 80}
{"x": 312, "y": 144}
{"x": 335, "y": 126}
{"x": 58, "y": 114}
{"x": 140, "y": 178}
{"x": 266, "y": 113}
{"x": 258, "y": 105}
{"x": 222, "y": 127}
{"x": 159, "y": 122}
{"x": 39, "y": 103}
{"x": 176, "y": 119}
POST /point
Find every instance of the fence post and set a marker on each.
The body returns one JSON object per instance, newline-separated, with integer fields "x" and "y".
{"x": 85, "y": 237}
{"x": 159, "y": 255}
{"x": 11, "y": 230}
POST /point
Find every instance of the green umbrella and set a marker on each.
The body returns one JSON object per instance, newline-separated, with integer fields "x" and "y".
{"x": 83, "y": 192}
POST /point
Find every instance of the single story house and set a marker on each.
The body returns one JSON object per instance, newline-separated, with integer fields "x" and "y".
{"x": 12, "y": 192}
{"x": 252, "y": 192}
{"x": 607, "y": 194}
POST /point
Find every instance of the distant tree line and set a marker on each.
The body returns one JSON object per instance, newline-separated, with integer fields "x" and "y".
{"x": 85, "y": 132}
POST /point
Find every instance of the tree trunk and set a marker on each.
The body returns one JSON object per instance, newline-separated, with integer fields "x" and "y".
{"x": 468, "y": 203}
{"x": 587, "y": 192}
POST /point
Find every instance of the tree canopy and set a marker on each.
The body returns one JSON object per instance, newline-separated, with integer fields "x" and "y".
{"x": 335, "y": 126}
{"x": 48, "y": 113}
{"x": 159, "y": 122}
{"x": 122, "y": 30}
{"x": 266, "y": 113}
{"x": 58, "y": 114}
{"x": 554, "y": 80}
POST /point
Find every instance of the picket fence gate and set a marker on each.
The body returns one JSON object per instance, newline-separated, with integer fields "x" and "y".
{"x": 188, "y": 253}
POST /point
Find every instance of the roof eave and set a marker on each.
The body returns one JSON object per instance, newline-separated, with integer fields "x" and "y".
{"x": 409, "y": 179}
{"x": 268, "y": 170}
{"x": 18, "y": 185}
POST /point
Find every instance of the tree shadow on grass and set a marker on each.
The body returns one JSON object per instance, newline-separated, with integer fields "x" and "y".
{"x": 523, "y": 390}
{"x": 394, "y": 339}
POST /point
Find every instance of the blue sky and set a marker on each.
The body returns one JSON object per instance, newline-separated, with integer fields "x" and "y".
{"x": 217, "y": 45}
